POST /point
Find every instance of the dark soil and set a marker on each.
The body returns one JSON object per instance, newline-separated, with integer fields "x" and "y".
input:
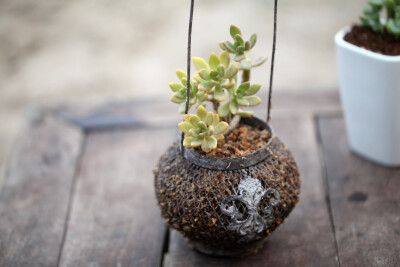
{"x": 362, "y": 36}
{"x": 241, "y": 141}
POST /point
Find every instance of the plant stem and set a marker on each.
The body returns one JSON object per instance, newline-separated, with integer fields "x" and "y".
{"x": 215, "y": 104}
{"x": 245, "y": 76}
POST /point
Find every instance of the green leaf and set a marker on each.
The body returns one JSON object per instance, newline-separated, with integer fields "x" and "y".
{"x": 184, "y": 81}
{"x": 234, "y": 31}
{"x": 176, "y": 99}
{"x": 175, "y": 86}
{"x": 253, "y": 100}
{"x": 259, "y": 61}
{"x": 213, "y": 61}
{"x": 181, "y": 74}
{"x": 238, "y": 38}
{"x": 240, "y": 56}
{"x": 393, "y": 28}
{"x": 245, "y": 64}
{"x": 194, "y": 120}
{"x": 231, "y": 71}
{"x": 224, "y": 83}
{"x": 187, "y": 141}
{"x": 222, "y": 45}
{"x": 215, "y": 119}
{"x": 254, "y": 88}
{"x": 243, "y": 102}
{"x": 247, "y": 46}
{"x": 202, "y": 113}
{"x": 233, "y": 106}
{"x": 200, "y": 64}
{"x": 243, "y": 87}
{"x": 219, "y": 94}
{"x": 197, "y": 77}
{"x": 209, "y": 118}
{"x": 204, "y": 74}
{"x": 201, "y": 95}
{"x": 196, "y": 142}
{"x": 252, "y": 40}
{"x": 240, "y": 49}
{"x": 205, "y": 86}
{"x": 214, "y": 74}
{"x": 218, "y": 136}
{"x": 224, "y": 58}
{"x": 223, "y": 110}
{"x": 243, "y": 113}
{"x": 185, "y": 126}
{"x": 221, "y": 127}
{"x": 230, "y": 47}
{"x": 221, "y": 70}
{"x": 209, "y": 143}
{"x": 182, "y": 107}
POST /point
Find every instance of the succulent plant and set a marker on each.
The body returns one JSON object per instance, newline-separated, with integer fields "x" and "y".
{"x": 242, "y": 96}
{"x": 203, "y": 129}
{"x": 240, "y": 47}
{"x": 215, "y": 76}
{"x": 213, "y": 82}
{"x": 179, "y": 90}
{"x": 372, "y": 18}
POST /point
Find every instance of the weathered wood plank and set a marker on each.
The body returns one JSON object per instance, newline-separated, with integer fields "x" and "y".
{"x": 160, "y": 112}
{"x": 306, "y": 238}
{"x": 35, "y": 196}
{"x": 365, "y": 201}
{"x": 114, "y": 219}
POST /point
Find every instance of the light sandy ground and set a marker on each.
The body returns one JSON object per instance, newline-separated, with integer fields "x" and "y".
{"x": 64, "y": 51}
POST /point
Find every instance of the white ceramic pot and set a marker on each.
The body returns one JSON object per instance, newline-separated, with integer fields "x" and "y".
{"x": 370, "y": 92}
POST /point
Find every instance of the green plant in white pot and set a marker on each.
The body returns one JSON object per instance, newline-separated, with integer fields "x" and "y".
{"x": 368, "y": 58}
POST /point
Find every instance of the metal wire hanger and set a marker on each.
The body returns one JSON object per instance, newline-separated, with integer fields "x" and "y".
{"x": 189, "y": 52}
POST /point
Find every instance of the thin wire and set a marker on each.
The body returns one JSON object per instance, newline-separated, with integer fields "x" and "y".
{"x": 272, "y": 61}
{"x": 189, "y": 51}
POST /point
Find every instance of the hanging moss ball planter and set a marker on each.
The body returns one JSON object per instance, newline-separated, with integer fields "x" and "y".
{"x": 227, "y": 206}
{"x": 229, "y": 182}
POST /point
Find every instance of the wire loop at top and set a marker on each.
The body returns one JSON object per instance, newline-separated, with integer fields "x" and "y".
{"x": 189, "y": 48}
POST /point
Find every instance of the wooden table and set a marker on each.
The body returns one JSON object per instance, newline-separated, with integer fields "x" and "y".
{"x": 79, "y": 191}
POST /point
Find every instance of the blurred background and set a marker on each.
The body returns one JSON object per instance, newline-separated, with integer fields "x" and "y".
{"x": 100, "y": 50}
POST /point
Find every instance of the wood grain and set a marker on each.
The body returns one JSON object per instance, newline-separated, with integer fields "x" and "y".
{"x": 365, "y": 201}
{"x": 34, "y": 199}
{"x": 161, "y": 113}
{"x": 306, "y": 238}
{"x": 114, "y": 219}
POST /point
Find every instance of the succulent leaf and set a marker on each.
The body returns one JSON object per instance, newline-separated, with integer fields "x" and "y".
{"x": 233, "y": 106}
{"x": 254, "y": 88}
{"x": 252, "y": 40}
{"x": 203, "y": 129}
{"x": 223, "y": 110}
{"x": 181, "y": 74}
{"x": 185, "y": 126}
{"x": 231, "y": 71}
{"x": 252, "y": 100}
{"x": 206, "y": 86}
{"x": 213, "y": 61}
{"x": 204, "y": 74}
{"x": 201, "y": 112}
{"x": 224, "y": 58}
{"x": 260, "y": 61}
{"x": 219, "y": 94}
{"x": 209, "y": 143}
{"x": 372, "y": 14}
{"x": 175, "y": 86}
{"x": 234, "y": 31}
{"x": 200, "y": 63}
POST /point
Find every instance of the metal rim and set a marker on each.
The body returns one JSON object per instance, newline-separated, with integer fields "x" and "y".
{"x": 234, "y": 163}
